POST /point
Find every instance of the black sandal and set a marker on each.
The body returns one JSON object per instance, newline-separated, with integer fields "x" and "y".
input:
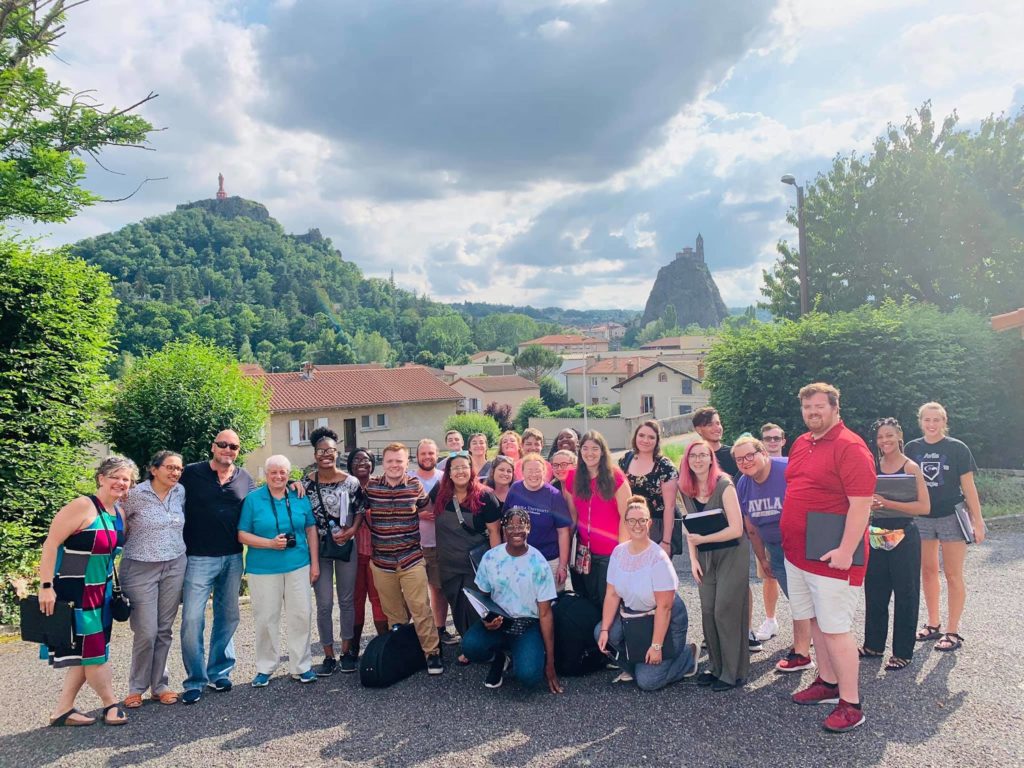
{"x": 950, "y": 641}
{"x": 867, "y": 653}
{"x": 122, "y": 717}
{"x": 895, "y": 662}
{"x": 63, "y": 722}
{"x": 928, "y": 632}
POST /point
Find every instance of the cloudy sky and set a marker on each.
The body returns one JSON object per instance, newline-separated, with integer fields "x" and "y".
{"x": 550, "y": 152}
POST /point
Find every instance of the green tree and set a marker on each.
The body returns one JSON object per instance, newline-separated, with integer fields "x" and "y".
{"x": 447, "y": 335}
{"x": 887, "y": 362}
{"x": 470, "y": 423}
{"x": 372, "y": 348}
{"x": 553, "y": 394}
{"x": 531, "y": 406}
{"x": 44, "y": 127}
{"x": 505, "y": 330}
{"x": 56, "y": 316}
{"x": 180, "y": 398}
{"x": 535, "y": 362}
{"x": 933, "y": 213}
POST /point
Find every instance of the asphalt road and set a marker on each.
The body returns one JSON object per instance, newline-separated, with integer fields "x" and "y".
{"x": 955, "y": 709}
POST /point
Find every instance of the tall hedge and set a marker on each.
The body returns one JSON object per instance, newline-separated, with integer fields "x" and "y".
{"x": 886, "y": 362}
{"x": 56, "y": 316}
{"x": 180, "y": 397}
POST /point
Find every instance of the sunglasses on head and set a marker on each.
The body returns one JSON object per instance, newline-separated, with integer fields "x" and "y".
{"x": 224, "y": 444}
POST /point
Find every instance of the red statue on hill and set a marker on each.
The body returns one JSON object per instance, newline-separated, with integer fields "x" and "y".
{"x": 221, "y": 194}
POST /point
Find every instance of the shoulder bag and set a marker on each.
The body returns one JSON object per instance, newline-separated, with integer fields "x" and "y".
{"x": 120, "y": 605}
{"x": 476, "y": 554}
{"x": 638, "y": 632}
{"x": 581, "y": 563}
{"x": 329, "y": 548}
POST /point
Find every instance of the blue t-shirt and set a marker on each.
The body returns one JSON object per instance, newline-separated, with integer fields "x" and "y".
{"x": 258, "y": 519}
{"x": 762, "y": 502}
{"x": 516, "y": 583}
{"x": 548, "y": 513}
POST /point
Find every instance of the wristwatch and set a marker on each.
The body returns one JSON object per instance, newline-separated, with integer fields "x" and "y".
{"x": 46, "y": 585}
{"x": 656, "y": 646}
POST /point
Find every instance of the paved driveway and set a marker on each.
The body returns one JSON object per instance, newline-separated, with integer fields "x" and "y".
{"x": 961, "y": 709}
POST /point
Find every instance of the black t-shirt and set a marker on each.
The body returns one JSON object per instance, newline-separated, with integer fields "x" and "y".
{"x": 942, "y": 464}
{"x": 727, "y": 462}
{"x": 212, "y": 510}
{"x": 453, "y": 541}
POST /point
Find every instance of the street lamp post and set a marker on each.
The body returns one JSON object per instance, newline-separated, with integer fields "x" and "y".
{"x": 586, "y": 387}
{"x": 804, "y": 297}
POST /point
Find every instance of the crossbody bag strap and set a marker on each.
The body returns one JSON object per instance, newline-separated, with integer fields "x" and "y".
{"x": 103, "y": 521}
{"x": 462, "y": 520}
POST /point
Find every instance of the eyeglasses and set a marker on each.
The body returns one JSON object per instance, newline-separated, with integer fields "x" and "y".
{"x": 325, "y": 452}
{"x": 700, "y": 455}
{"x": 637, "y": 522}
{"x": 772, "y": 439}
{"x": 226, "y": 445}
{"x": 747, "y": 459}
{"x": 561, "y": 465}
{"x": 172, "y": 468}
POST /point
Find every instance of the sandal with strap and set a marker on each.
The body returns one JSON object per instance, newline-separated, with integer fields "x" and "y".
{"x": 122, "y": 718}
{"x": 867, "y": 653}
{"x": 62, "y": 721}
{"x": 895, "y": 662}
{"x": 132, "y": 701}
{"x": 928, "y": 632}
{"x": 167, "y": 697}
{"x": 950, "y": 641}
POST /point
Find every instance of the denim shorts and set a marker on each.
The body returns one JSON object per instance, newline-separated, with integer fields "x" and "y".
{"x": 939, "y": 528}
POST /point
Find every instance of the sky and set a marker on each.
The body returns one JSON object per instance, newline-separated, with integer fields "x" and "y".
{"x": 544, "y": 152}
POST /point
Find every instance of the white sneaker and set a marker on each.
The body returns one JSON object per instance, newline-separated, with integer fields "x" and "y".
{"x": 767, "y": 630}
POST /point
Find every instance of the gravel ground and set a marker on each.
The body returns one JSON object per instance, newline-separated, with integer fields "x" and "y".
{"x": 946, "y": 709}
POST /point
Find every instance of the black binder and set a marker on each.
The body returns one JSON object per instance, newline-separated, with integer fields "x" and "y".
{"x": 707, "y": 522}
{"x": 825, "y": 532}
{"x": 55, "y": 631}
{"x": 897, "y": 487}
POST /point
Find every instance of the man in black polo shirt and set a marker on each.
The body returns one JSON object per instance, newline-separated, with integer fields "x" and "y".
{"x": 214, "y": 491}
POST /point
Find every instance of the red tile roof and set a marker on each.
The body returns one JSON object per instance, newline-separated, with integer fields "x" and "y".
{"x": 353, "y": 387}
{"x": 673, "y": 366}
{"x": 561, "y": 339}
{"x": 1014, "y": 319}
{"x": 667, "y": 342}
{"x": 618, "y": 365}
{"x": 498, "y": 383}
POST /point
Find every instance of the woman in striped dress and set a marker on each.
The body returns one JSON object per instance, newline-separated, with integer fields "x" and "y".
{"x": 76, "y": 567}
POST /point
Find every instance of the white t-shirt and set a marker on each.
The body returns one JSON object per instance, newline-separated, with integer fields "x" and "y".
{"x": 637, "y": 577}
{"x": 428, "y": 538}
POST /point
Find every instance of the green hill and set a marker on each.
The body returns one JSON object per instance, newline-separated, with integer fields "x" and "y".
{"x": 225, "y": 270}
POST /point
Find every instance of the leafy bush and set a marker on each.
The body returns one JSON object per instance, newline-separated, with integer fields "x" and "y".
{"x": 531, "y": 406}
{"x": 999, "y": 494}
{"x": 470, "y": 423}
{"x": 19, "y": 558}
{"x": 593, "y": 411}
{"x": 180, "y": 398}
{"x": 886, "y": 362}
{"x": 553, "y": 394}
{"x": 501, "y": 413}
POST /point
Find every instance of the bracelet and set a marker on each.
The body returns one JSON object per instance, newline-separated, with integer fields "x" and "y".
{"x": 669, "y": 543}
{"x": 603, "y": 630}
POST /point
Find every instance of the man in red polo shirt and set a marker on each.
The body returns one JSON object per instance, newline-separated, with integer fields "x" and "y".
{"x": 830, "y": 470}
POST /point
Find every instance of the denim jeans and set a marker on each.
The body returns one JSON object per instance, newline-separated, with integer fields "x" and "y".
{"x": 777, "y": 560}
{"x": 651, "y": 677}
{"x": 221, "y": 577}
{"x": 527, "y": 651}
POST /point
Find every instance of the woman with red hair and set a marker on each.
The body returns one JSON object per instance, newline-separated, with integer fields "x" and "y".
{"x": 467, "y": 514}
{"x": 720, "y": 563}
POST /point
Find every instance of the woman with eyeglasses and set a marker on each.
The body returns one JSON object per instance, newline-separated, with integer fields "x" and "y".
{"x": 281, "y": 562}
{"x": 642, "y": 582}
{"x": 503, "y": 474}
{"x": 652, "y": 476}
{"x": 466, "y": 516}
{"x": 478, "y": 454}
{"x": 550, "y": 522}
{"x": 596, "y": 492}
{"x": 152, "y": 574}
{"x": 720, "y": 563}
{"x": 894, "y": 568}
{"x": 360, "y": 465}
{"x": 338, "y": 504}
{"x": 561, "y": 462}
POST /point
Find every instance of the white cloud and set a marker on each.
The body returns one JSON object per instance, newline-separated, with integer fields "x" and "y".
{"x": 553, "y": 29}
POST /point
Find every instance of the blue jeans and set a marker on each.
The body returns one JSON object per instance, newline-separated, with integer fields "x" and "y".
{"x": 527, "y": 651}
{"x": 778, "y": 563}
{"x": 651, "y": 677}
{"x": 222, "y": 577}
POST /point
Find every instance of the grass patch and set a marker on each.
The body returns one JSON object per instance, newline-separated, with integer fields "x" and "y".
{"x": 1000, "y": 494}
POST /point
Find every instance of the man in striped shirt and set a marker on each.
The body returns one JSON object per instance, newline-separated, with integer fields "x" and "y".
{"x": 395, "y": 499}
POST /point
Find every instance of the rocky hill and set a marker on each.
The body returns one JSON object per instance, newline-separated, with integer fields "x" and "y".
{"x": 686, "y": 283}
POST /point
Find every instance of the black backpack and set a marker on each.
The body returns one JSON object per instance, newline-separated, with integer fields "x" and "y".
{"x": 391, "y": 657}
{"x": 576, "y": 651}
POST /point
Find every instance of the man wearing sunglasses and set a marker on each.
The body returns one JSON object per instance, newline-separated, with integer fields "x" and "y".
{"x": 774, "y": 438}
{"x": 214, "y": 492}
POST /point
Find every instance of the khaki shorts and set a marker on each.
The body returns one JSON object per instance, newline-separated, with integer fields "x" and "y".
{"x": 433, "y": 572}
{"x": 831, "y": 602}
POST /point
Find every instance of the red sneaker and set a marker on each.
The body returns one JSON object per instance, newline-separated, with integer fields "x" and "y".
{"x": 794, "y": 662}
{"x": 845, "y": 717}
{"x": 817, "y": 693}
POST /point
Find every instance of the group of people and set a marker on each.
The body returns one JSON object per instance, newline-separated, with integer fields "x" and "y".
{"x": 520, "y": 527}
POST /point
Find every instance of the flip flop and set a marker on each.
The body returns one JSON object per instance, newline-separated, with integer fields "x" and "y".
{"x": 62, "y": 721}
{"x": 122, "y": 717}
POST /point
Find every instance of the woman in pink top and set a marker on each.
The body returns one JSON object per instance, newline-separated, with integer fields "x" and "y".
{"x": 597, "y": 492}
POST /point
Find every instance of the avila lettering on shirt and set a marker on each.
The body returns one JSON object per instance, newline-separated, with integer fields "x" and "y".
{"x": 942, "y": 464}
{"x": 820, "y": 477}
{"x": 762, "y": 502}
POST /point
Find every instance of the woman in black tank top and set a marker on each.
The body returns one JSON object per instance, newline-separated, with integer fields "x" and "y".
{"x": 894, "y": 565}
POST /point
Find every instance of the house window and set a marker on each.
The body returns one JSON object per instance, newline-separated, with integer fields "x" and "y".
{"x": 370, "y": 422}
{"x": 687, "y": 386}
{"x": 474, "y": 404}
{"x": 647, "y": 404}
{"x": 593, "y": 381}
{"x": 662, "y": 377}
{"x": 685, "y": 409}
{"x": 299, "y": 430}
